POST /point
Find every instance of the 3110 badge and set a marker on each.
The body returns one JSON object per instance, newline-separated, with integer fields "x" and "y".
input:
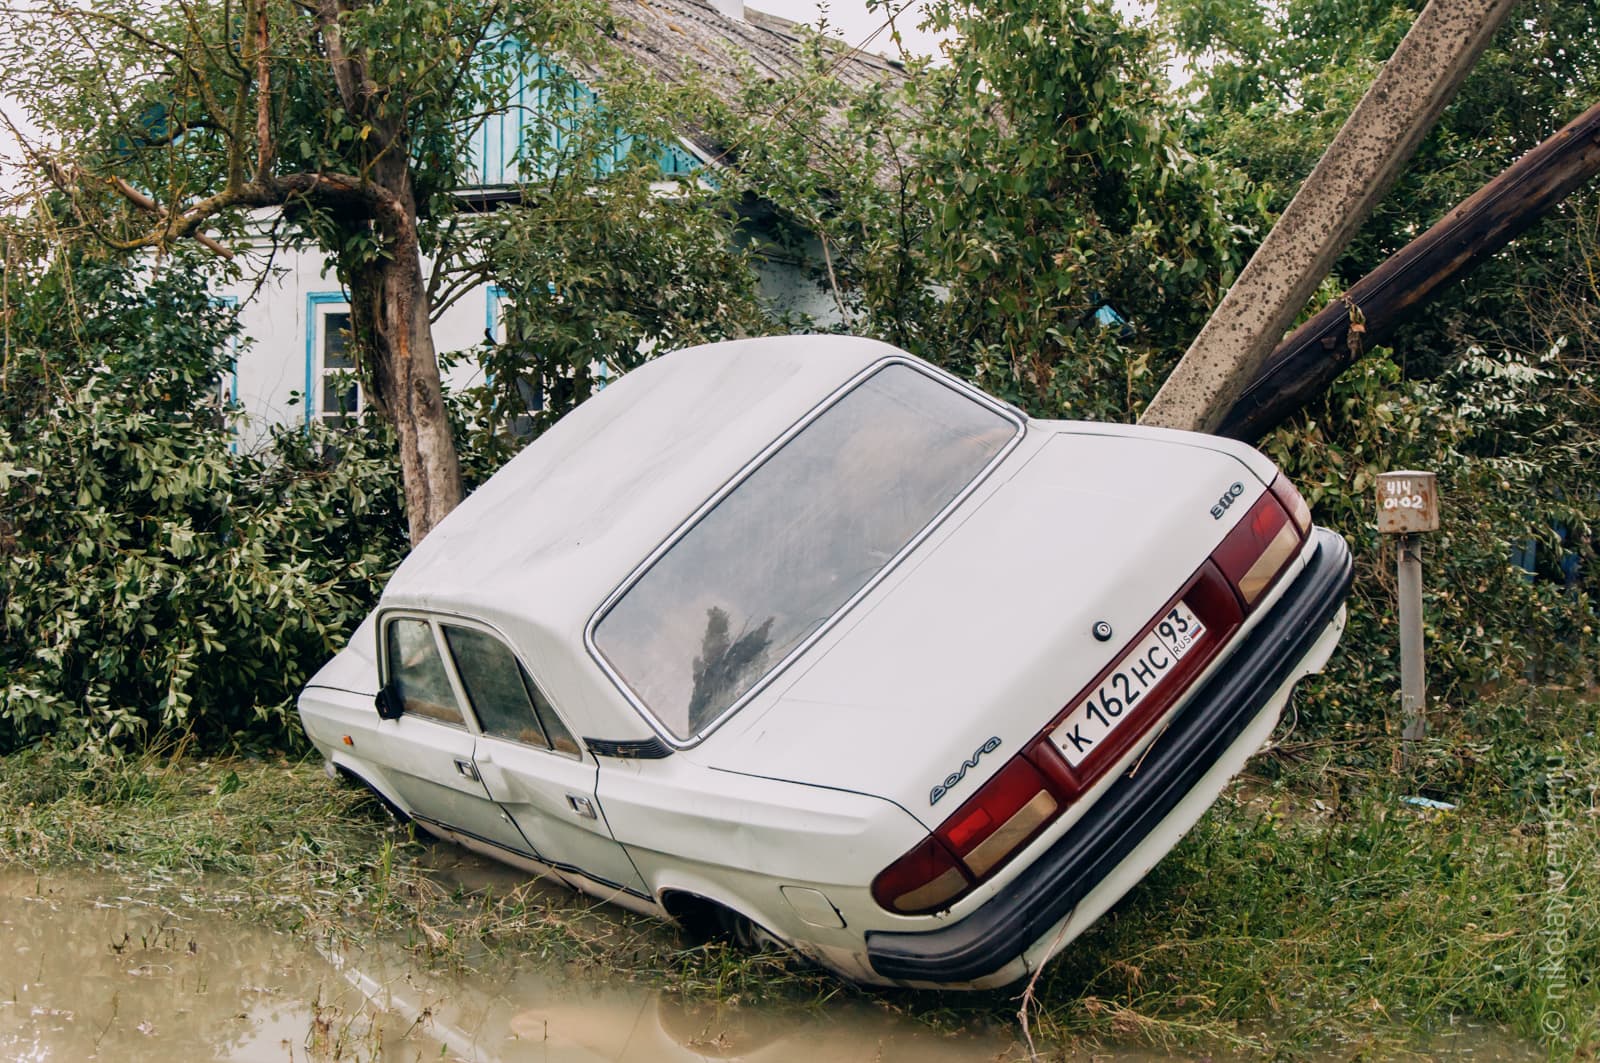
{"x": 1140, "y": 671}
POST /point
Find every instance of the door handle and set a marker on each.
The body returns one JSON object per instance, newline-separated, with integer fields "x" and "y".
{"x": 467, "y": 770}
{"x": 582, "y": 806}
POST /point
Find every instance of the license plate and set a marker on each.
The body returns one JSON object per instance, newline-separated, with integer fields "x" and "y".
{"x": 1140, "y": 671}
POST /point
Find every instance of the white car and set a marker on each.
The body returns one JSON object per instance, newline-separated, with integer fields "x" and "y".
{"x": 802, "y": 638}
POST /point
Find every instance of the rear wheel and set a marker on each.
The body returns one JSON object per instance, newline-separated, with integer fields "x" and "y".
{"x": 748, "y": 935}
{"x": 705, "y": 920}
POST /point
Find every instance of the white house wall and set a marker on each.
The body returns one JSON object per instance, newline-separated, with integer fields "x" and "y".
{"x": 797, "y": 285}
{"x": 279, "y": 346}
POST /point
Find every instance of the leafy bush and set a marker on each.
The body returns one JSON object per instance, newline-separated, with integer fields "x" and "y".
{"x": 1489, "y": 622}
{"x": 154, "y": 580}
{"x": 151, "y": 579}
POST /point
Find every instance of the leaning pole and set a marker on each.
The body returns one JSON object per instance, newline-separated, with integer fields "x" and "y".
{"x": 1375, "y": 143}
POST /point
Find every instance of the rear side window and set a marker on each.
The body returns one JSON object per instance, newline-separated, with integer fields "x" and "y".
{"x": 417, "y": 673}
{"x": 507, "y": 701}
{"x": 788, "y": 548}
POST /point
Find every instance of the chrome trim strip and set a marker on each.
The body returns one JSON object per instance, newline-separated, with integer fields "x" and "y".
{"x": 534, "y": 857}
{"x": 954, "y": 383}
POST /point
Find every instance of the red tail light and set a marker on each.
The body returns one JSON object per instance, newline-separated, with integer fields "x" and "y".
{"x": 1006, "y": 811}
{"x": 1264, "y": 542}
{"x": 924, "y": 880}
{"x": 1293, "y": 504}
{"x": 1005, "y": 814}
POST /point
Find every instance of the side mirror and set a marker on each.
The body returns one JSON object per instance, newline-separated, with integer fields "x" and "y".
{"x": 387, "y": 702}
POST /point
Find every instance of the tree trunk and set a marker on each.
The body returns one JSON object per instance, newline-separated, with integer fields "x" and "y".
{"x": 389, "y": 313}
{"x": 389, "y": 306}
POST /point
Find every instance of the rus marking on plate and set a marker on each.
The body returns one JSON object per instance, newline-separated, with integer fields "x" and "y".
{"x": 1140, "y": 671}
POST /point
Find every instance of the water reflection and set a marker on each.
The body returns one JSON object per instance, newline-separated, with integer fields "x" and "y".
{"x": 98, "y": 971}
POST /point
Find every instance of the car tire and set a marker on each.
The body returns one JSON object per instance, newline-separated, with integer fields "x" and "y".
{"x": 746, "y": 934}
{"x": 705, "y": 921}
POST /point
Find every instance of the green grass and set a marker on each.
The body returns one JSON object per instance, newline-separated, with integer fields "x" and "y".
{"x": 1310, "y": 910}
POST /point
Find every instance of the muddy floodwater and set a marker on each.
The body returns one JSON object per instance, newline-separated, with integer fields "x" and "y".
{"x": 93, "y": 969}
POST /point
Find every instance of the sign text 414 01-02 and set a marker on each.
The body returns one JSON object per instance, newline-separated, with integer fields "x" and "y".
{"x": 1139, "y": 672}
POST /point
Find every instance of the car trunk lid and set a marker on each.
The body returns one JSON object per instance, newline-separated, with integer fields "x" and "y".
{"x": 989, "y": 629}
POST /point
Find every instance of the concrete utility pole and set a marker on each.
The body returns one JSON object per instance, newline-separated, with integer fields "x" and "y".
{"x": 1377, "y": 139}
{"x": 1302, "y": 366}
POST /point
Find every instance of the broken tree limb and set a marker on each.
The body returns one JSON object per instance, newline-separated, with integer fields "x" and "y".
{"x": 150, "y": 206}
{"x": 1304, "y": 364}
{"x": 1376, "y": 141}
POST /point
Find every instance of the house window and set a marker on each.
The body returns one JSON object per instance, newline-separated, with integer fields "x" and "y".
{"x": 339, "y": 400}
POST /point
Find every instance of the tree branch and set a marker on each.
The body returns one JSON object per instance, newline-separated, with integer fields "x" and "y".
{"x": 464, "y": 70}
{"x": 150, "y": 206}
{"x": 349, "y": 73}
{"x": 462, "y": 282}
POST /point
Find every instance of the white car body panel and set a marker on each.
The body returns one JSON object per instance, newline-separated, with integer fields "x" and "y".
{"x": 739, "y": 840}
{"x": 1018, "y": 561}
{"x": 786, "y": 812}
{"x": 551, "y": 798}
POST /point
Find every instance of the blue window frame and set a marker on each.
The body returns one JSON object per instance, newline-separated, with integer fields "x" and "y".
{"x": 332, "y": 394}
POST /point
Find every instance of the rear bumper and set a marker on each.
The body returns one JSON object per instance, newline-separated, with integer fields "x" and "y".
{"x": 1131, "y": 808}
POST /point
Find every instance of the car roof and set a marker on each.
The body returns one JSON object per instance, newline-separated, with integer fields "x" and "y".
{"x": 547, "y": 538}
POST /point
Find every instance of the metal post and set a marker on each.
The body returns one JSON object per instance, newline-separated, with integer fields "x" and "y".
{"x": 1413, "y": 680}
{"x": 1408, "y": 503}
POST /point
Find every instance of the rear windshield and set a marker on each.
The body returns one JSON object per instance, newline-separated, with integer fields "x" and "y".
{"x": 794, "y": 541}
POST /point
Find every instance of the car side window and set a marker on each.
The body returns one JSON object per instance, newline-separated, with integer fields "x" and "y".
{"x": 417, "y": 674}
{"x": 508, "y": 702}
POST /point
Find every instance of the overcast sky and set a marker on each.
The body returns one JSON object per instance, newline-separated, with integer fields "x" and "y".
{"x": 850, "y": 20}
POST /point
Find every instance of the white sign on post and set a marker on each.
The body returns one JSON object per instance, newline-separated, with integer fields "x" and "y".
{"x": 1408, "y": 501}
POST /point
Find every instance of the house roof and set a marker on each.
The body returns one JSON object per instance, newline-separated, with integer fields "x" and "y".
{"x": 677, "y": 39}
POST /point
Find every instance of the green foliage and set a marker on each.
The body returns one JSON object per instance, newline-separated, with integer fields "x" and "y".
{"x": 1063, "y": 180}
{"x": 150, "y": 579}
{"x": 598, "y": 278}
{"x": 977, "y": 213}
{"x": 1492, "y": 387}
{"x": 982, "y": 215}
{"x": 1489, "y": 622}
{"x": 1273, "y": 83}
{"x": 173, "y": 98}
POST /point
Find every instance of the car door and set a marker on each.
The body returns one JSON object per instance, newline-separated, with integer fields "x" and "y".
{"x": 532, "y": 765}
{"x": 427, "y": 750}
